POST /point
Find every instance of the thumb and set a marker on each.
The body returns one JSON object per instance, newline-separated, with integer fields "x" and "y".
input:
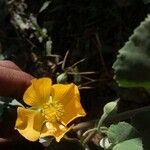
{"x": 13, "y": 81}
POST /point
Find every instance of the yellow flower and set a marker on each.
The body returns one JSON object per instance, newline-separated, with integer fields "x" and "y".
{"x": 53, "y": 107}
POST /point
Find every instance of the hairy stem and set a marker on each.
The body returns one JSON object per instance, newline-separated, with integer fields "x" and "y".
{"x": 125, "y": 115}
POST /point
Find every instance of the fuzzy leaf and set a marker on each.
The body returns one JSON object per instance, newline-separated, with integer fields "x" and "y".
{"x": 132, "y": 144}
{"x": 121, "y": 132}
{"x": 111, "y": 107}
{"x": 132, "y": 67}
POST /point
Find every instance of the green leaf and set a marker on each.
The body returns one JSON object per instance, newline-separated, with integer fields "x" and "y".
{"x": 5, "y": 100}
{"x": 132, "y": 67}
{"x": 111, "y": 107}
{"x": 14, "y": 102}
{"x": 121, "y": 132}
{"x": 132, "y": 144}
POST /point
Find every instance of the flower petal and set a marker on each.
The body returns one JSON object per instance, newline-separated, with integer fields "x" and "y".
{"x": 55, "y": 129}
{"x": 29, "y": 123}
{"x": 69, "y": 96}
{"x": 38, "y": 93}
{"x": 62, "y": 92}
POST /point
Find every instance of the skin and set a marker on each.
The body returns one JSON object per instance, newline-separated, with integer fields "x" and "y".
{"x": 13, "y": 83}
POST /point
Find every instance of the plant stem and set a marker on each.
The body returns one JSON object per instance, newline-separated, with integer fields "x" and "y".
{"x": 109, "y": 120}
{"x": 102, "y": 119}
{"x": 99, "y": 47}
{"x": 88, "y": 131}
{"x": 126, "y": 115}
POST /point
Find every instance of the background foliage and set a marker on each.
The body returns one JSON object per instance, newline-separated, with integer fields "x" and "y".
{"x": 37, "y": 36}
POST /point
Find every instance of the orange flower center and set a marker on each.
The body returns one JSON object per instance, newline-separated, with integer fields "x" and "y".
{"x": 52, "y": 110}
